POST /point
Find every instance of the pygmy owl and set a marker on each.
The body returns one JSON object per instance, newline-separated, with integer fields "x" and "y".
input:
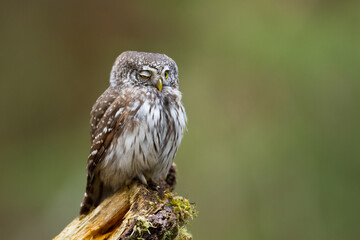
{"x": 136, "y": 125}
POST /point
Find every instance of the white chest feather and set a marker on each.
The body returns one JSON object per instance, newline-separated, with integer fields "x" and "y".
{"x": 147, "y": 146}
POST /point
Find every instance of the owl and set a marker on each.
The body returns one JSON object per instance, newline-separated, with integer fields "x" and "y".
{"x": 136, "y": 125}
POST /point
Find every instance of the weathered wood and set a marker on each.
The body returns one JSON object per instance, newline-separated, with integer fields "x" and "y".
{"x": 136, "y": 212}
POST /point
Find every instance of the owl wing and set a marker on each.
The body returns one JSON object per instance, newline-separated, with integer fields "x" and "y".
{"x": 107, "y": 120}
{"x": 100, "y": 107}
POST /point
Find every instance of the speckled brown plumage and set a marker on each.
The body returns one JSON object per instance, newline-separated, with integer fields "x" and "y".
{"x": 136, "y": 125}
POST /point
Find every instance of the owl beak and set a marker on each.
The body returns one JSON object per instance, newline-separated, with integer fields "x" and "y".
{"x": 159, "y": 84}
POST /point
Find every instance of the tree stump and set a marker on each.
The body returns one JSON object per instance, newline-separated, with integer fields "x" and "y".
{"x": 136, "y": 212}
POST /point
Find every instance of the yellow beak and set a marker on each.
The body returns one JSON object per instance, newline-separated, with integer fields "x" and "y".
{"x": 159, "y": 84}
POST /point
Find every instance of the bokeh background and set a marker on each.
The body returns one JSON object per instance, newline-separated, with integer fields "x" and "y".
{"x": 271, "y": 89}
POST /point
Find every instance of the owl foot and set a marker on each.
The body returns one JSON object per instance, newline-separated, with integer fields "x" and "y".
{"x": 155, "y": 185}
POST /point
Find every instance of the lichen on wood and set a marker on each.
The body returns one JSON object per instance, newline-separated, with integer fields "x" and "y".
{"x": 136, "y": 212}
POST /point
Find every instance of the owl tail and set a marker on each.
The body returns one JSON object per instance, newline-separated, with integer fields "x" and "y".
{"x": 92, "y": 196}
{"x": 86, "y": 204}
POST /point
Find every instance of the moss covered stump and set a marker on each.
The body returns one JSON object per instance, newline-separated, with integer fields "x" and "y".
{"x": 136, "y": 212}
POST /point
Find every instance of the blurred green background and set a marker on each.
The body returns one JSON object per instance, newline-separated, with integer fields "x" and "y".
{"x": 271, "y": 90}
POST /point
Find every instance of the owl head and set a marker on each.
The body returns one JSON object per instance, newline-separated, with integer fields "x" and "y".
{"x": 144, "y": 69}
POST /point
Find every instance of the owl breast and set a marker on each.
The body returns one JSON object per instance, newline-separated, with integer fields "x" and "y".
{"x": 149, "y": 142}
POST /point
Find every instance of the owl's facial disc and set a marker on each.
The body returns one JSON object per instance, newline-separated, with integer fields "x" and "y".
{"x": 145, "y": 74}
{"x": 157, "y": 81}
{"x": 151, "y": 75}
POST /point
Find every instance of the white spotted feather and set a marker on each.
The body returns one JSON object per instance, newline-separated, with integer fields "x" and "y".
{"x": 136, "y": 127}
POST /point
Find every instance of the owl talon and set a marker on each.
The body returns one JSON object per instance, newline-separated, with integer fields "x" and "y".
{"x": 142, "y": 179}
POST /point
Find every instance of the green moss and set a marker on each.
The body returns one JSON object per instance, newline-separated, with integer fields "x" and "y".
{"x": 142, "y": 226}
{"x": 183, "y": 234}
{"x": 169, "y": 234}
{"x": 183, "y": 209}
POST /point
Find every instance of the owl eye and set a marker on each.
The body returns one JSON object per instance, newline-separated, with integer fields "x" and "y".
{"x": 145, "y": 74}
{"x": 166, "y": 74}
